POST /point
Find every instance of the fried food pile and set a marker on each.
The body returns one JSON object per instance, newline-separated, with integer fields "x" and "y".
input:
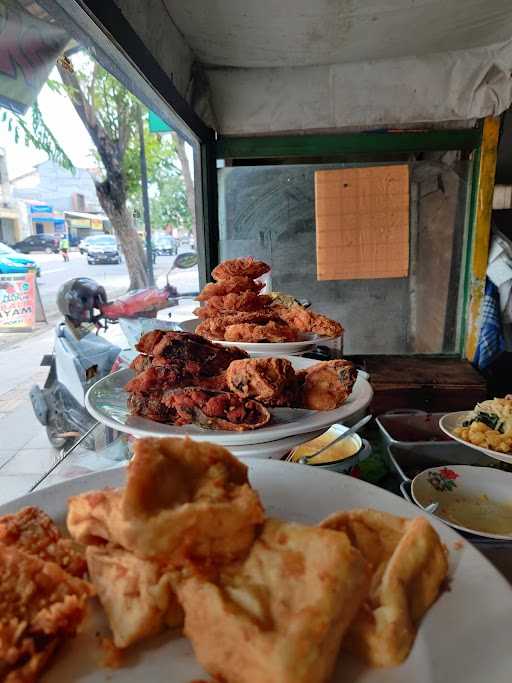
{"x": 183, "y": 378}
{"x": 234, "y": 310}
{"x": 186, "y": 543}
{"x": 43, "y": 595}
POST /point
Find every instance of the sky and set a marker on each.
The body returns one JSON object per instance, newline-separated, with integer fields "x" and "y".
{"x": 63, "y": 121}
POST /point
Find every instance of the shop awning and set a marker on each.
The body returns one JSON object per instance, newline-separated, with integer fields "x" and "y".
{"x": 292, "y": 65}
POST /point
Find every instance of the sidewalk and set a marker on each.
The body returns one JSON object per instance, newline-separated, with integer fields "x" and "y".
{"x": 25, "y": 452}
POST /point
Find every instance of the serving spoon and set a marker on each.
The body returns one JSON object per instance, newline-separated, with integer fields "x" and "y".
{"x": 306, "y": 458}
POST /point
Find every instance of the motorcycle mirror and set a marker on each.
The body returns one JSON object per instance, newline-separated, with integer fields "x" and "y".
{"x": 188, "y": 259}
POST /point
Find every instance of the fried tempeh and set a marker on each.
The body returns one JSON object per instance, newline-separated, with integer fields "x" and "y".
{"x": 281, "y": 614}
{"x": 409, "y": 566}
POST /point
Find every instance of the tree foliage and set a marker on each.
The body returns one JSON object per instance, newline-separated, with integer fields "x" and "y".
{"x": 110, "y": 114}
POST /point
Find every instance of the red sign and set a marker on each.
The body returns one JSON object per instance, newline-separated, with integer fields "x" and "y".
{"x": 18, "y": 302}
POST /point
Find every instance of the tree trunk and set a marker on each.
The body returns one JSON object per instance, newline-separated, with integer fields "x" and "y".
{"x": 124, "y": 230}
{"x": 187, "y": 178}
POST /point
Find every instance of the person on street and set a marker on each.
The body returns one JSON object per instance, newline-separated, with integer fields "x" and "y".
{"x": 64, "y": 247}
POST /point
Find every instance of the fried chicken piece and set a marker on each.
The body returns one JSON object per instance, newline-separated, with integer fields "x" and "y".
{"x": 136, "y": 594}
{"x": 271, "y": 381}
{"x": 215, "y": 409}
{"x": 240, "y": 267}
{"x": 326, "y": 385}
{"x": 184, "y": 501}
{"x": 232, "y": 303}
{"x": 215, "y": 327}
{"x": 281, "y": 614}
{"x": 33, "y": 531}
{"x": 164, "y": 374}
{"x": 150, "y": 406}
{"x": 305, "y": 320}
{"x": 40, "y": 605}
{"x": 141, "y": 363}
{"x": 232, "y": 285}
{"x": 149, "y": 340}
{"x": 409, "y": 567}
{"x": 270, "y": 332}
{"x": 185, "y": 346}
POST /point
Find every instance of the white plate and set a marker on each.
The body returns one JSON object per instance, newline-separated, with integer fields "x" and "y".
{"x": 452, "y": 420}
{"x": 444, "y": 484}
{"x": 106, "y": 401}
{"x": 465, "y": 637}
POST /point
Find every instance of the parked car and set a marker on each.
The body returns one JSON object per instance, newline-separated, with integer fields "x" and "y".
{"x": 8, "y": 253}
{"x": 42, "y": 242}
{"x": 7, "y": 266}
{"x": 103, "y": 249}
{"x": 164, "y": 244}
{"x": 82, "y": 245}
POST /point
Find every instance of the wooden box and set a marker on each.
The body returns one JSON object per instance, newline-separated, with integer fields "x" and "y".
{"x": 433, "y": 384}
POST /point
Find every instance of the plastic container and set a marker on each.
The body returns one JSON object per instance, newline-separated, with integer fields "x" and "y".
{"x": 346, "y": 464}
{"x": 412, "y": 427}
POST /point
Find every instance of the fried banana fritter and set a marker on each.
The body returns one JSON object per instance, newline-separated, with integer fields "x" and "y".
{"x": 33, "y": 531}
{"x": 184, "y": 501}
{"x": 326, "y": 385}
{"x": 409, "y": 566}
{"x": 280, "y": 615}
{"x": 305, "y": 320}
{"x": 233, "y": 285}
{"x": 272, "y": 381}
{"x": 232, "y": 303}
{"x": 240, "y": 267}
{"x": 40, "y": 605}
{"x": 271, "y": 331}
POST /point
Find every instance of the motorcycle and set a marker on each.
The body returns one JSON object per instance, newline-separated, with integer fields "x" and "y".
{"x": 81, "y": 355}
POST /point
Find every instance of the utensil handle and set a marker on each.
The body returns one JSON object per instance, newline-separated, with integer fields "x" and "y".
{"x": 345, "y": 435}
{"x": 405, "y": 490}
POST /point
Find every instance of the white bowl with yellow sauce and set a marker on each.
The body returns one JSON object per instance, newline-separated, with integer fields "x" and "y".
{"x": 341, "y": 457}
{"x": 477, "y": 500}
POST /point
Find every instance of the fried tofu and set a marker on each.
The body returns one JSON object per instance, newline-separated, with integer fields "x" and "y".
{"x": 34, "y": 532}
{"x": 280, "y": 615}
{"x": 409, "y": 567}
{"x": 136, "y": 595}
{"x": 183, "y": 501}
{"x": 40, "y": 605}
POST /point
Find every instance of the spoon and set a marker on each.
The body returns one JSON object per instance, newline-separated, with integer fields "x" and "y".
{"x": 305, "y": 458}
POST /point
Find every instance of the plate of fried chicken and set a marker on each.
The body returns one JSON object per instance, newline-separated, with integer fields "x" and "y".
{"x": 233, "y": 310}
{"x": 183, "y": 384}
{"x": 189, "y": 565}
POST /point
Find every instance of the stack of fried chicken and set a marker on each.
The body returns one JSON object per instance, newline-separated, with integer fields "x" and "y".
{"x": 187, "y": 543}
{"x": 183, "y": 378}
{"x": 234, "y": 310}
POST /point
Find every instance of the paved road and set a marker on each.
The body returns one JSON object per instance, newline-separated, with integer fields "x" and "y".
{"x": 113, "y": 277}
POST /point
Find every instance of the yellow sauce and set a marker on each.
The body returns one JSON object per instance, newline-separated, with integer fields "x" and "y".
{"x": 340, "y": 451}
{"x": 478, "y": 513}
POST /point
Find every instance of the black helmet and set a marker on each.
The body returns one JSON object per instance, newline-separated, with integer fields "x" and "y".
{"x": 78, "y": 298}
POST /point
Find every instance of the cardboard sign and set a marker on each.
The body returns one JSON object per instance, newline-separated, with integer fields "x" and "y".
{"x": 18, "y": 302}
{"x": 28, "y": 50}
{"x": 362, "y": 222}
